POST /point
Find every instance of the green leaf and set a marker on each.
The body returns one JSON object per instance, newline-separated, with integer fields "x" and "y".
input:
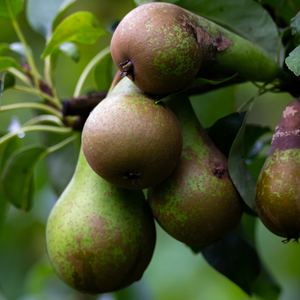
{"x": 293, "y": 61}
{"x": 61, "y": 11}
{"x": 243, "y": 17}
{"x": 239, "y": 172}
{"x": 236, "y": 259}
{"x": 103, "y": 73}
{"x": 295, "y": 26}
{"x": 252, "y": 134}
{"x": 7, "y": 62}
{"x": 20, "y": 50}
{"x": 42, "y": 14}
{"x": 4, "y": 48}
{"x": 266, "y": 286}
{"x": 80, "y": 27}
{"x": 9, "y": 82}
{"x": 66, "y": 157}
{"x": 17, "y": 175}
{"x": 201, "y": 81}
{"x": 69, "y": 49}
{"x": 224, "y": 131}
{"x": 16, "y": 7}
{"x": 141, "y": 2}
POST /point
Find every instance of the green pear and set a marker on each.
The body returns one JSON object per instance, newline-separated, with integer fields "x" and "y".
{"x": 130, "y": 140}
{"x": 277, "y": 191}
{"x": 198, "y": 203}
{"x": 100, "y": 238}
{"x": 161, "y": 47}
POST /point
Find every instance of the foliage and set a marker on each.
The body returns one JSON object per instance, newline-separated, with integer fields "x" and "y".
{"x": 39, "y": 142}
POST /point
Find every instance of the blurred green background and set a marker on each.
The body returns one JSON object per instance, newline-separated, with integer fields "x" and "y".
{"x": 175, "y": 272}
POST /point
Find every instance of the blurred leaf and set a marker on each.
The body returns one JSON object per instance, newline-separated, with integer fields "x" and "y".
{"x": 141, "y": 2}
{"x": 4, "y": 48}
{"x": 16, "y": 7}
{"x": 41, "y": 14}
{"x": 224, "y": 131}
{"x": 243, "y": 17}
{"x": 65, "y": 5}
{"x": 293, "y": 61}
{"x": 19, "y": 49}
{"x": 239, "y": 172}
{"x": 7, "y": 62}
{"x": 9, "y": 82}
{"x": 201, "y": 81}
{"x": 256, "y": 165}
{"x": 3, "y": 209}
{"x": 102, "y": 73}
{"x": 252, "y": 134}
{"x": 236, "y": 259}
{"x": 2, "y": 87}
{"x": 266, "y": 286}
{"x": 69, "y": 49}
{"x": 61, "y": 163}
{"x": 295, "y": 26}
{"x": 16, "y": 178}
{"x": 80, "y": 27}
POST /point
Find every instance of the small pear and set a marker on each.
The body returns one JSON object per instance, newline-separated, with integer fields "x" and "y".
{"x": 278, "y": 185}
{"x": 198, "y": 203}
{"x": 130, "y": 140}
{"x": 100, "y": 238}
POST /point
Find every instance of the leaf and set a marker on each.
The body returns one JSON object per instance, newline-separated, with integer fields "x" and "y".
{"x": 42, "y": 14}
{"x": 9, "y": 82}
{"x": 80, "y": 27}
{"x": 8, "y": 62}
{"x": 243, "y": 17}
{"x": 266, "y": 286}
{"x": 16, "y": 178}
{"x": 295, "y": 26}
{"x": 61, "y": 11}
{"x": 102, "y": 73}
{"x": 238, "y": 170}
{"x": 66, "y": 157}
{"x": 69, "y": 49}
{"x": 293, "y": 61}
{"x": 252, "y": 134}
{"x": 4, "y": 48}
{"x": 20, "y": 50}
{"x": 16, "y": 7}
{"x": 236, "y": 259}
{"x": 224, "y": 131}
{"x": 201, "y": 81}
{"x": 141, "y": 2}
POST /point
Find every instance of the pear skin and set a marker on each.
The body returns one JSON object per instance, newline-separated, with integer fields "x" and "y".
{"x": 198, "y": 203}
{"x": 100, "y": 238}
{"x": 278, "y": 185}
{"x": 130, "y": 140}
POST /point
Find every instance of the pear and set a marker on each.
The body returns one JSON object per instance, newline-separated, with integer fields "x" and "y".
{"x": 100, "y": 238}
{"x": 130, "y": 140}
{"x": 198, "y": 203}
{"x": 162, "y": 48}
{"x": 277, "y": 193}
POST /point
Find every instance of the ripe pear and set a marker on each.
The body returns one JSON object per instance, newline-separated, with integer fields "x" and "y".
{"x": 277, "y": 190}
{"x": 198, "y": 203}
{"x": 161, "y": 47}
{"x": 130, "y": 140}
{"x": 100, "y": 238}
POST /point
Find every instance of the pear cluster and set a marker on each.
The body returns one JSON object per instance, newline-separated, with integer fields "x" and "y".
{"x": 101, "y": 234}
